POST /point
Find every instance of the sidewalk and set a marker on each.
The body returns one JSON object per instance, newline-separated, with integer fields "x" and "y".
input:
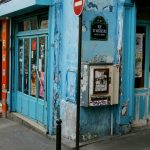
{"x": 14, "y": 136}
{"x": 140, "y": 140}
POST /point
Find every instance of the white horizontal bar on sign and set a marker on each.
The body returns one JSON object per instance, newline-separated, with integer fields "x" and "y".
{"x": 79, "y": 3}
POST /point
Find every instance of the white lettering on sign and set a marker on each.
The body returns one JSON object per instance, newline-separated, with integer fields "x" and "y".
{"x": 79, "y": 3}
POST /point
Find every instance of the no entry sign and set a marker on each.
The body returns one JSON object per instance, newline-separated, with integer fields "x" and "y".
{"x": 78, "y": 6}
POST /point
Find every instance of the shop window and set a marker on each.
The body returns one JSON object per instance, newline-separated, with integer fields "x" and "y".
{"x": 41, "y": 66}
{"x": 43, "y": 22}
{"x": 26, "y": 65}
{"x": 20, "y": 64}
{"x": 140, "y": 57}
{"x": 24, "y": 25}
{"x": 34, "y": 23}
{"x": 33, "y": 66}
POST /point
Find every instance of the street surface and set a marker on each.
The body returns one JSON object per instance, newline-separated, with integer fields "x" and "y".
{"x": 14, "y": 136}
{"x": 134, "y": 141}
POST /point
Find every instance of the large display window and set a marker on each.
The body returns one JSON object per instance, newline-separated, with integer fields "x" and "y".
{"x": 31, "y": 56}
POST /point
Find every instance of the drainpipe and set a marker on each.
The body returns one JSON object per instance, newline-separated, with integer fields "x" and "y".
{"x": 78, "y": 83}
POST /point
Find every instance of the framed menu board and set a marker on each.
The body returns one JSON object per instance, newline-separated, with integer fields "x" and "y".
{"x": 101, "y": 81}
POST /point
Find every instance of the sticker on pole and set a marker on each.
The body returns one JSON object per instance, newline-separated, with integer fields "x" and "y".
{"x": 78, "y": 7}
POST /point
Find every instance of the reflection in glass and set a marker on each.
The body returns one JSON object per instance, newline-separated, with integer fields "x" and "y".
{"x": 34, "y": 23}
{"x": 24, "y": 25}
{"x": 33, "y": 66}
{"x": 43, "y": 22}
{"x": 20, "y": 61}
{"x": 41, "y": 66}
{"x": 26, "y": 65}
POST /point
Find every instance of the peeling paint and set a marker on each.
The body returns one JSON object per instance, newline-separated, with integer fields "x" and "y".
{"x": 84, "y": 80}
{"x": 102, "y": 59}
{"x": 120, "y": 32}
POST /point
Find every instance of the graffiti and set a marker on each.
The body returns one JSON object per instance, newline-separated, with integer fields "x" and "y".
{"x": 92, "y": 5}
{"x": 96, "y": 5}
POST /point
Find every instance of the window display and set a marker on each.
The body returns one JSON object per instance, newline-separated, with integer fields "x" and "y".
{"x": 20, "y": 60}
{"x": 41, "y": 66}
{"x": 26, "y": 65}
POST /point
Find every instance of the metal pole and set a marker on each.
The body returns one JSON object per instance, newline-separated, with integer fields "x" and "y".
{"x": 78, "y": 84}
{"x": 58, "y": 134}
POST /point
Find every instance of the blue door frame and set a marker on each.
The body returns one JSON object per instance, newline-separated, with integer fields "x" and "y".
{"x": 50, "y": 68}
{"x": 33, "y": 107}
{"x": 26, "y": 104}
{"x": 142, "y": 95}
{"x": 128, "y": 64}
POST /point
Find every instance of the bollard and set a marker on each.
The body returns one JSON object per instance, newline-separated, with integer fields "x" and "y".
{"x": 58, "y": 134}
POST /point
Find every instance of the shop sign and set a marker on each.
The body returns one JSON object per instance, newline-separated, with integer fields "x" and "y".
{"x": 99, "y": 29}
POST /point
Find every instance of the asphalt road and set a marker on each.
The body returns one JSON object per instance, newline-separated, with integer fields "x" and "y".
{"x": 134, "y": 141}
{"x": 14, "y": 136}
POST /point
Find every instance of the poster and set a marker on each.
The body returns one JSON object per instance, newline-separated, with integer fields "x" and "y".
{"x": 139, "y": 42}
{"x": 138, "y": 64}
{"x": 101, "y": 77}
{"x": 139, "y": 55}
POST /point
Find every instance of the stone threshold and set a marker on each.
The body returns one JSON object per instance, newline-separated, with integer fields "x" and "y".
{"x": 27, "y": 122}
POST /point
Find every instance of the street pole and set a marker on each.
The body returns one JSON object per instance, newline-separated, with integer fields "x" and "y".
{"x": 58, "y": 134}
{"x": 78, "y": 83}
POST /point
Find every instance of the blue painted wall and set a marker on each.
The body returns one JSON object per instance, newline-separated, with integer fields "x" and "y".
{"x": 96, "y": 121}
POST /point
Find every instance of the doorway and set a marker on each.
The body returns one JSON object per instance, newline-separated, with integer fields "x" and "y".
{"x": 0, "y": 77}
{"x": 30, "y": 65}
{"x": 31, "y": 74}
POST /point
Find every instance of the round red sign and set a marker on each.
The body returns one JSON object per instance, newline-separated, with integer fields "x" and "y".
{"x": 78, "y": 6}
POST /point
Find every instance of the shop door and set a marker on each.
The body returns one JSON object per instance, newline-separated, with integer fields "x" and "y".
{"x": 0, "y": 71}
{"x": 142, "y": 76}
{"x": 31, "y": 64}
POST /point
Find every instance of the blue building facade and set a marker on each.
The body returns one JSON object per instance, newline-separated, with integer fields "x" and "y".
{"x": 114, "y": 59}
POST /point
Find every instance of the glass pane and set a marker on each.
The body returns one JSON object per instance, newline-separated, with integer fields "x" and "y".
{"x": 34, "y": 23}
{"x": 20, "y": 61}
{"x": 24, "y": 25}
{"x": 41, "y": 66}
{"x": 43, "y": 22}
{"x": 26, "y": 65}
{"x": 140, "y": 56}
{"x": 33, "y": 66}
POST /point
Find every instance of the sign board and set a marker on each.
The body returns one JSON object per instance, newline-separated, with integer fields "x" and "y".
{"x": 99, "y": 29}
{"x": 78, "y": 7}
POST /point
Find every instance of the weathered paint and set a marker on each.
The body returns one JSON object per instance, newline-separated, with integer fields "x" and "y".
{"x": 98, "y": 120}
{"x": 63, "y": 57}
{"x": 65, "y": 64}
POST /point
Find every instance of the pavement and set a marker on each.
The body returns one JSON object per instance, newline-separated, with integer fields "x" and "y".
{"x": 14, "y": 136}
{"x": 140, "y": 140}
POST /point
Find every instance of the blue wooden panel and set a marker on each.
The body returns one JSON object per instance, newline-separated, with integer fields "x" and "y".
{"x": 149, "y": 105}
{"x": 142, "y": 107}
{"x": 135, "y": 108}
{"x": 19, "y": 102}
{"x": 45, "y": 116}
{"x": 25, "y": 104}
{"x": 40, "y": 111}
{"x": 32, "y": 107}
